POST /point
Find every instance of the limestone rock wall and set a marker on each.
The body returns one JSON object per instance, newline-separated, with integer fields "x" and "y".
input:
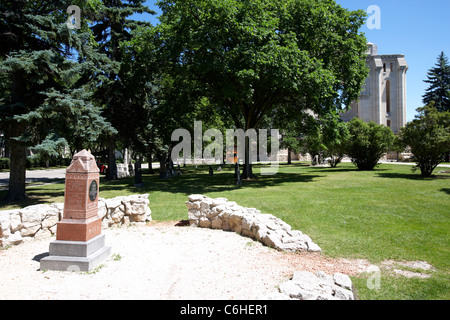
{"x": 220, "y": 213}
{"x": 305, "y": 285}
{"x": 39, "y": 221}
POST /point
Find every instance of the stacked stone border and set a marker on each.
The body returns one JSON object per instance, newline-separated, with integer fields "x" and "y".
{"x": 305, "y": 285}
{"x": 39, "y": 221}
{"x": 227, "y": 215}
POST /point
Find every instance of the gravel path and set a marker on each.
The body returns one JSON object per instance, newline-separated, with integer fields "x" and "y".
{"x": 163, "y": 261}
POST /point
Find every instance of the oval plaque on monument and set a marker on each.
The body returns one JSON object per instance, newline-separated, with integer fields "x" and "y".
{"x": 93, "y": 190}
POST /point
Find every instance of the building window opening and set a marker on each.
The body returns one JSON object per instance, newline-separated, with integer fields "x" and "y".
{"x": 388, "y": 96}
{"x": 384, "y": 67}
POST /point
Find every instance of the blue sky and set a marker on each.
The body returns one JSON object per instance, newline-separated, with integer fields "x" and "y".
{"x": 416, "y": 28}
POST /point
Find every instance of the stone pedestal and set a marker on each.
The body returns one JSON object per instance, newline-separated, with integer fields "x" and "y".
{"x": 79, "y": 245}
{"x": 76, "y": 255}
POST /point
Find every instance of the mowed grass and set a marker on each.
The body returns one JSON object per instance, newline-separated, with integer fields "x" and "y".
{"x": 390, "y": 213}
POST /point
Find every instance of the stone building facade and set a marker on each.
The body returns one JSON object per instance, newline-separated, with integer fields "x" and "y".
{"x": 383, "y": 99}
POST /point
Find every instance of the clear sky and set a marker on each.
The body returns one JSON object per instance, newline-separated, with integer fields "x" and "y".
{"x": 416, "y": 28}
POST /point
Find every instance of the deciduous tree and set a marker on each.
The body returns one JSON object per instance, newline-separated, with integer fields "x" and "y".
{"x": 428, "y": 135}
{"x": 251, "y": 56}
{"x": 367, "y": 143}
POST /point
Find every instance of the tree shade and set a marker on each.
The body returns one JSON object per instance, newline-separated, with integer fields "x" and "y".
{"x": 250, "y": 56}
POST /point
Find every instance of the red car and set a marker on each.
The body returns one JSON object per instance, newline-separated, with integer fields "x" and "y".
{"x": 101, "y": 167}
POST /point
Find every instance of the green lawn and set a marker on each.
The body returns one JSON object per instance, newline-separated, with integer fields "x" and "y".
{"x": 388, "y": 213}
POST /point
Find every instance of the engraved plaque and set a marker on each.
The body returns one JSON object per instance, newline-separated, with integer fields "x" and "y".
{"x": 93, "y": 190}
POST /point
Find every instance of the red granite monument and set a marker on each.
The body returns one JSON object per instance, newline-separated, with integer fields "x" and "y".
{"x": 80, "y": 219}
{"x": 79, "y": 244}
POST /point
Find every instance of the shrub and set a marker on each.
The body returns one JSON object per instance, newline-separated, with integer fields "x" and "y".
{"x": 367, "y": 143}
{"x": 429, "y": 138}
{"x": 4, "y": 163}
{"x": 32, "y": 162}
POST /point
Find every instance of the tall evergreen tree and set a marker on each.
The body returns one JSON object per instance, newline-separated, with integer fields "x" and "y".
{"x": 113, "y": 27}
{"x": 42, "y": 96}
{"x": 439, "y": 89}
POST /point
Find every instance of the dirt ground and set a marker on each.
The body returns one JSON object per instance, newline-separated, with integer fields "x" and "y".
{"x": 164, "y": 261}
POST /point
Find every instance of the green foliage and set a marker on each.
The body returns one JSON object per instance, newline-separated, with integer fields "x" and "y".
{"x": 367, "y": 143}
{"x": 294, "y": 124}
{"x": 44, "y": 91}
{"x": 291, "y": 141}
{"x": 439, "y": 89}
{"x": 43, "y": 161}
{"x": 52, "y": 146}
{"x": 327, "y": 135}
{"x": 112, "y": 28}
{"x": 312, "y": 142}
{"x": 335, "y": 141}
{"x": 4, "y": 163}
{"x": 428, "y": 135}
{"x": 121, "y": 92}
{"x": 249, "y": 57}
{"x": 147, "y": 89}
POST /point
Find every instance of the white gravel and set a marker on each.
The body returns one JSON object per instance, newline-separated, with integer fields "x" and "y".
{"x": 163, "y": 261}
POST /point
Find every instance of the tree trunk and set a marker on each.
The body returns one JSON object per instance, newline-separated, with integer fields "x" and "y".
{"x": 162, "y": 167}
{"x": 237, "y": 174}
{"x": 289, "y": 157}
{"x": 426, "y": 168}
{"x": 112, "y": 167}
{"x": 150, "y": 166}
{"x": 247, "y": 172}
{"x": 150, "y": 163}
{"x": 333, "y": 162}
{"x": 137, "y": 173}
{"x": 18, "y": 159}
{"x": 17, "y": 172}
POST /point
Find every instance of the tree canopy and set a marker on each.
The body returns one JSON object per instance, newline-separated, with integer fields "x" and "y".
{"x": 113, "y": 26}
{"x": 367, "y": 143}
{"x": 44, "y": 94}
{"x": 251, "y": 56}
{"x": 428, "y": 135}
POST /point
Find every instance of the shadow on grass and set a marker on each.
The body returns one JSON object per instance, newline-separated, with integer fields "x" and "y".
{"x": 411, "y": 176}
{"x": 446, "y": 190}
{"x": 36, "y": 196}
{"x": 344, "y": 169}
{"x": 192, "y": 181}
{"x": 329, "y": 169}
{"x": 199, "y": 182}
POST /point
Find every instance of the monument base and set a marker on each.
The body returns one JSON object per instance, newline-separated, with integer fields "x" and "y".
{"x": 79, "y": 229}
{"x": 76, "y": 255}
